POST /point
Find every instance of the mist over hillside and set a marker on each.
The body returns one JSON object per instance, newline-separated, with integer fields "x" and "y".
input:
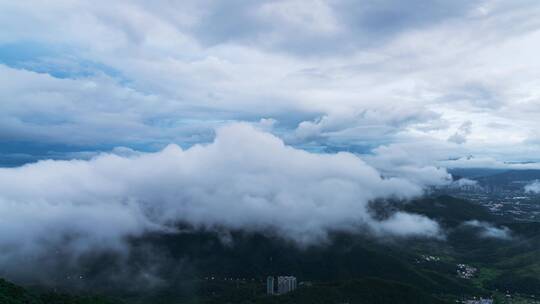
{"x": 223, "y": 263}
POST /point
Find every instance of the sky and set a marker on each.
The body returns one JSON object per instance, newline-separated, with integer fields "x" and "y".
{"x": 284, "y": 115}
{"x": 459, "y": 77}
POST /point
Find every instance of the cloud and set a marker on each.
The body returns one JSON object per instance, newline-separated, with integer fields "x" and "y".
{"x": 462, "y": 182}
{"x": 245, "y": 179}
{"x": 487, "y": 162}
{"x": 487, "y": 230}
{"x": 416, "y": 162}
{"x": 460, "y": 137}
{"x": 533, "y": 187}
{"x": 373, "y": 121}
{"x": 335, "y": 76}
{"x": 92, "y": 112}
{"x": 404, "y": 224}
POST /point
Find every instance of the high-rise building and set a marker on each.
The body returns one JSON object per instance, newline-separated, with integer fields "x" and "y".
{"x": 286, "y": 284}
{"x": 270, "y": 285}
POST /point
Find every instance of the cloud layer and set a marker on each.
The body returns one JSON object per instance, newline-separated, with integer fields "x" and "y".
{"x": 245, "y": 179}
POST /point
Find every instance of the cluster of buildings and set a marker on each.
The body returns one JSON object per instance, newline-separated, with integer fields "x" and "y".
{"x": 283, "y": 285}
{"x": 465, "y": 271}
{"x": 427, "y": 259}
{"x": 430, "y": 258}
{"x": 479, "y": 301}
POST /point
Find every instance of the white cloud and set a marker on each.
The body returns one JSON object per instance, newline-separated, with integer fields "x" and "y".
{"x": 416, "y": 162}
{"x": 487, "y": 230}
{"x": 464, "y": 182}
{"x": 533, "y": 187}
{"x": 349, "y": 78}
{"x": 37, "y": 107}
{"x": 246, "y": 179}
{"x": 460, "y": 137}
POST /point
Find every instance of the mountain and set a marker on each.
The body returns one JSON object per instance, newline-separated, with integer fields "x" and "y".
{"x": 219, "y": 266}
{"x": 14, "y": 294}
{"x": 473, "y": 173}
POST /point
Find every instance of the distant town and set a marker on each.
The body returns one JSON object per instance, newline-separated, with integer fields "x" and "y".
{"x": 510, "y": 201}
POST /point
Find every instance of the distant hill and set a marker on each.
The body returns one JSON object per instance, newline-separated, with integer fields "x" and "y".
{"x": 449, "y": 210}
{"x": 473, "y": 173}
{"x": 511, "y": 179}
{"x": 503, "y": 178}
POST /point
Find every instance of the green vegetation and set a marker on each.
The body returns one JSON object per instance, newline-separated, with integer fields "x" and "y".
{"x": 13, "y": 294}
{"x": 368, "y": 291}
{"x": 485, "y": 275}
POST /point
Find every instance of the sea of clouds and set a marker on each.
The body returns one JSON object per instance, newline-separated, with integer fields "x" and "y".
{"x": 245, "y": 179}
